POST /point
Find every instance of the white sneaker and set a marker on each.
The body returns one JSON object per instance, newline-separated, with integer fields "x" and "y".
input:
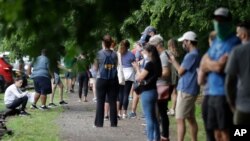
{"x": 171, "y": 112}
{"x": 94, "y": 99}
{"x": 124, "y": 116}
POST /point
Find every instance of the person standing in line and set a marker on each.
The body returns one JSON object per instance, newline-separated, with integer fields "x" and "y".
{"x": 204, "y": 106}
{"x": 238, "y": 77}
{"x": 148, "y": 77}
{"x": 212, "y": 65}
{"x": 92, "y": 80}
{"x": 163, "y": 85}
{"x": 41, "y": 76}
{"x": 106, "y": 83}
{"x": 141, "y": 60}
{"x": 129, "y": 74}
{"x": 172, "y": 49}
{"x": 187, "y": 87}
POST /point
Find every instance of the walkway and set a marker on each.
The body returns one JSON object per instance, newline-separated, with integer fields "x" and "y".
{"x": 76, "y": 124}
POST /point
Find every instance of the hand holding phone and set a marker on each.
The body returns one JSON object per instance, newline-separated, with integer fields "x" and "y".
{"x": 167, "y": 55}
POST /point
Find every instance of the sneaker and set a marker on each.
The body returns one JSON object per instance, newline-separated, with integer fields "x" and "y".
{"x": 132, "y": 115}
{"x": 119, "y": 117}
{"x": 51, "y": 105}
{"x": 106, "y": 118}
{"x": 43, "y": 107}
{"x": 171, "y": 112}
{"x": 124, "y": 116}
{"x": 94, "y": 99}
{"x": 33, "y": 106}
{"x": 24, "y": 113}
{"x": 62, "y": 102}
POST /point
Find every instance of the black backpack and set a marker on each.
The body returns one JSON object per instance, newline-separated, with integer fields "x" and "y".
{"x": 108, "y": 69}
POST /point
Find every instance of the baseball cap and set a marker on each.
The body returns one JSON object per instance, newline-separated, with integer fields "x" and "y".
{"x": 222, "y": 13}
{"x": 149, "y": 29}
{"x": 144, "y": 39}
{"x": 155, "y": 40}
{"x": 190, "y": 35}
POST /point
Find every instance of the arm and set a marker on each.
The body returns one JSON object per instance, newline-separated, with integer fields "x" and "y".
{"x": 140, "y": 74}
{"x": 165, "y": 72}
{"x": 230, "y": 87}
{"x": 17, "y": 94}
{"x": 215, "y": 66}
{"x": 201, "y": 73}
{"x": 177, "y": 66}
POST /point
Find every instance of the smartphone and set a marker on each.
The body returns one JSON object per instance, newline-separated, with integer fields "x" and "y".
{"x": 167, "y": 54}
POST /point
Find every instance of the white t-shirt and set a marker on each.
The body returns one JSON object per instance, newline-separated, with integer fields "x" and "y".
{"x": 12, "y": 93}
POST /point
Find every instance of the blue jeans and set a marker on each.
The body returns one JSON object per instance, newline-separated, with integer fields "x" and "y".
{"x": 149, "y": 100}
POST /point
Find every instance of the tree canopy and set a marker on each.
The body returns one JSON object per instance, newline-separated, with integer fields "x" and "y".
{"x": 28, "y": 26}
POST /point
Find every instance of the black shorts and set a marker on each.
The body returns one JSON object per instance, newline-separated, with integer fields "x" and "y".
{"x": 219, "y": 115}
{"x": 42, "y": 85}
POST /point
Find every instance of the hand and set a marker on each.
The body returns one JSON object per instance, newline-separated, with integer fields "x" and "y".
{"x": 135, "y": 65}
{"x": 223, "y": 59}
{"x": 171, "y": 58}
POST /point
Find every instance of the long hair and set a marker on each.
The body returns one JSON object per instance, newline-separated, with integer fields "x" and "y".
{"x": 124, "y": 46}
{"x": 155, "y": 58}
{"x": 172, "y": 45}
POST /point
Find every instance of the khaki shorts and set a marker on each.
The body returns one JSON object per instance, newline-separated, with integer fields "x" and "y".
{"x": 185, "y": 105}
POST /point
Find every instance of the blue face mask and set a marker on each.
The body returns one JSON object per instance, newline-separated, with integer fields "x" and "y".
{"x": 223, "y": 29}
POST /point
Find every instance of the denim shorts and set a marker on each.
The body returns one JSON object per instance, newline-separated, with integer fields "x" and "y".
{"x": 42, "y": 85}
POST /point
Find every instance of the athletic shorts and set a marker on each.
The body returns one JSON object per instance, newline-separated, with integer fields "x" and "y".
{"x": 219, "y": 115}
{"x": 57, "y": 79}
{"x": 69, "y": 75}
{"x": 42, "y": 85}
{"x": 185, "y": 105}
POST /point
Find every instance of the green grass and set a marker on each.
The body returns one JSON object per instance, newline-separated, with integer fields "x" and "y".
{"x": 40, "y": 126}
{"x": 201, "y": 130}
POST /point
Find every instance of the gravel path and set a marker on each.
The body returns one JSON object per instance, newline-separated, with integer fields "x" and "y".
{"x": 76, "y": 124}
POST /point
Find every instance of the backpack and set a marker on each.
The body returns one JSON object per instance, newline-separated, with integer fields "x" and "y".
{"x": 108, "y": 69}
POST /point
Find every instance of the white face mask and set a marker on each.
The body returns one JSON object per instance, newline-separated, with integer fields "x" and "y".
{"x": 145, "y": 56}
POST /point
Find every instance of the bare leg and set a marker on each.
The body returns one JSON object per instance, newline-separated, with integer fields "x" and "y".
{"x": 53, "y": 92}
{"x": 43, "y": 99}
{"x": 106, "y": 109}
{"x": 174, "y": 97}
{"x": 135, "y": 102}
{"x": 37, "y": 96}
{"x": 194, "y": 128}
{"x": 61, "y": 90}
{"x": 181, "y": 129}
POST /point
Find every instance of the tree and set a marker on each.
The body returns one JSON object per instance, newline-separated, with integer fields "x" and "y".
{"x": 28, "y": 26}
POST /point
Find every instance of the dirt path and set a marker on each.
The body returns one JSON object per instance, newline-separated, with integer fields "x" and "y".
{"x": 76, "y": 124}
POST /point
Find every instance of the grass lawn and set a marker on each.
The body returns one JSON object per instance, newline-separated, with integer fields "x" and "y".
{"x": 40, "y": 126}
{"x": 201, "y": 130}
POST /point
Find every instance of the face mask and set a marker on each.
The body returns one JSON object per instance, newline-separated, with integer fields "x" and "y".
{"x": 223, "y": 30}
{"x": 145, "y": 56}
{"x": 184, "y": 47}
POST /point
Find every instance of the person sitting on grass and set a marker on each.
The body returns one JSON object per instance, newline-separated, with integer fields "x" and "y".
{"x": 14, "y": 98}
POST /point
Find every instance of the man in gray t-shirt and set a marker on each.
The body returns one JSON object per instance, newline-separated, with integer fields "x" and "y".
{"x": 238, "y": 77}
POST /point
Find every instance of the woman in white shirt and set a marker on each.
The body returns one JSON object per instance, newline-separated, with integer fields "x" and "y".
{"x": 14, "y": 97}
